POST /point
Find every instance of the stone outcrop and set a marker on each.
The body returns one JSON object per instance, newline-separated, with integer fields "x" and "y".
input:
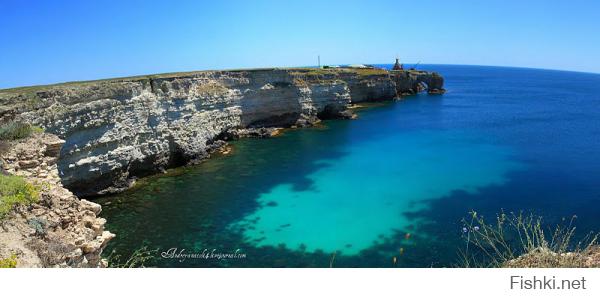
{"x": 413, "y": 81}
{"x": 545, "y": 258}
{"x": 120, "y": 129}
{"x": 59, "y": 230}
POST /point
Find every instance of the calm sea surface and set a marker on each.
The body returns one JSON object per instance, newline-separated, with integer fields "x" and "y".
{"x": 501, "y": 139}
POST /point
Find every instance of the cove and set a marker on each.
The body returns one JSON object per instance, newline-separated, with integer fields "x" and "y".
{"x": 352, "y": 202}
{"x": 396, "y": 182}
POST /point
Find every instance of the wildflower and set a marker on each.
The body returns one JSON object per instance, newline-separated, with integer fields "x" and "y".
{"x": 465, "y": 230}
{"x": 476, "y": 228}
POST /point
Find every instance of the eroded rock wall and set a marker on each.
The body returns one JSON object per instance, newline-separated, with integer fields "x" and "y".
{"x": 116, "y": 130}
{"x": 59, "y": 230}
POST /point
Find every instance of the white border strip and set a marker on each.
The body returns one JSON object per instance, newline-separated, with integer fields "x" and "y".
{"x": 89, "y": 283}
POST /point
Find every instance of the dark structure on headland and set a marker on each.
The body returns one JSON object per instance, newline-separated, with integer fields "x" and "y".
{"x": 397, "y": 65}
{"x": 412, "y": 81}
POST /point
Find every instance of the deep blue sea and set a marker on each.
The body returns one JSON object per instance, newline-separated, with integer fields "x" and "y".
{"x": 396, "y": 182}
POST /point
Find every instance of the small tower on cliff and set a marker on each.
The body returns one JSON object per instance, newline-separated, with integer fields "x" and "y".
{"x": 397, "y": 65}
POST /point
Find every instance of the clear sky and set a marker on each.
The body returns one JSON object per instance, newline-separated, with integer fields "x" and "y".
{"x": 56, "y": 41}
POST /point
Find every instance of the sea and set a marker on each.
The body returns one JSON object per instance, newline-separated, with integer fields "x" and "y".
{"x": 390, "y": 189}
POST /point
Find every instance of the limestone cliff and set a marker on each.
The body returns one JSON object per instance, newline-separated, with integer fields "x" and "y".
{"x": 59, "y": 230}
{"x": 119, "y": 129}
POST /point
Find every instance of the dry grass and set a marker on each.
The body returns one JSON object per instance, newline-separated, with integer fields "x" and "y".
{"x": 52, "y": 251}
{"x": 304, "y": 76}
{"x": 211, "y": 89}
{"x": 334, "y": 71}
{"x": 518, "y": 240}
{"x": 545, "y": 258}
{"x": 139, "y": 259}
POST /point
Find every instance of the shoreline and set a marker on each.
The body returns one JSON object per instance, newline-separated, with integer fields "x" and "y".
{"x": 228, "y": 149}
{"x": 122, "y": 129}
{"x": 107, "y": 134}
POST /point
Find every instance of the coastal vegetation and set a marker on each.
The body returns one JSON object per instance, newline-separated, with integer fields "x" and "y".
{"x": 211, "y": 89}
{"x": 17, "y": 130}
{"x": 10, "y": 262}
{"x": 14, "y": 190}
{"x": 139, "y": 258}
{"x": 191, "y": 73}
{"x": 109, "y": 115}
{"x": 32, "y": 90}
{"x": 518, "y": 240}
{"x": 332, "y": 75}
{"x": 315, "y": 72}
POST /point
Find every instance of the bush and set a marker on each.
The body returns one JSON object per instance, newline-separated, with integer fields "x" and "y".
{"x": 53, "y": 250}
{"x": 15, "y": 190}
{"x": 39, "y": 225}
{"x": 517, "y": 240}
{"x": 17, "y": 130}
{"x": 10, "y": 262}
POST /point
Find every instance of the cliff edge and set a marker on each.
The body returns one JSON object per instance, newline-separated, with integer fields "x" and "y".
{"x": 58, "y": 230}
{"x": 119, "y": 129}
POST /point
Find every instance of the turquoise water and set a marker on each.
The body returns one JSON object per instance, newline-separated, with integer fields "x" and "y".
{"x": 355, "y": 200}
{"x": 394, "y": 183}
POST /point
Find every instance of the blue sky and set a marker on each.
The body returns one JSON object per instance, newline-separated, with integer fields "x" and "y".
{"x": 55, "y": 41}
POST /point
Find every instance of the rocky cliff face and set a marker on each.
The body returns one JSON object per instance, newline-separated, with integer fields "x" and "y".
{"x": 59, "y": 230}
{"x": 116, "y": 130}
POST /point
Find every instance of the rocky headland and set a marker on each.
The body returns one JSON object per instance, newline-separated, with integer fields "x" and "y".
{"x": 119, "y": 129}
{"x": 102, "y": 135}
{"x": 99, "y": 136}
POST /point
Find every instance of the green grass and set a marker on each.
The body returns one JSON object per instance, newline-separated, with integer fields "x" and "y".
{"x": 10, "y": 262}
{"x": 524, "y": 241}
{"x": 17, "y": 130}
{"x": 14, "y": 190}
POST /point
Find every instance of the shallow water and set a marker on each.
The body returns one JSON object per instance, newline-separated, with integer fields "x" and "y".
{"x": 394, "y": 183}
{"x": 355, "y": 199}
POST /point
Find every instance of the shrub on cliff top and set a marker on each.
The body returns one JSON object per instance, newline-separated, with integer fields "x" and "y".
{"x": 17, "y": 130}
{"x": 10, "y": 262}
{"x": 15, "y": 190}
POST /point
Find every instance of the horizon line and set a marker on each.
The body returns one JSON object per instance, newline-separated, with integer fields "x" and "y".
{"x": 284, "y": 67}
